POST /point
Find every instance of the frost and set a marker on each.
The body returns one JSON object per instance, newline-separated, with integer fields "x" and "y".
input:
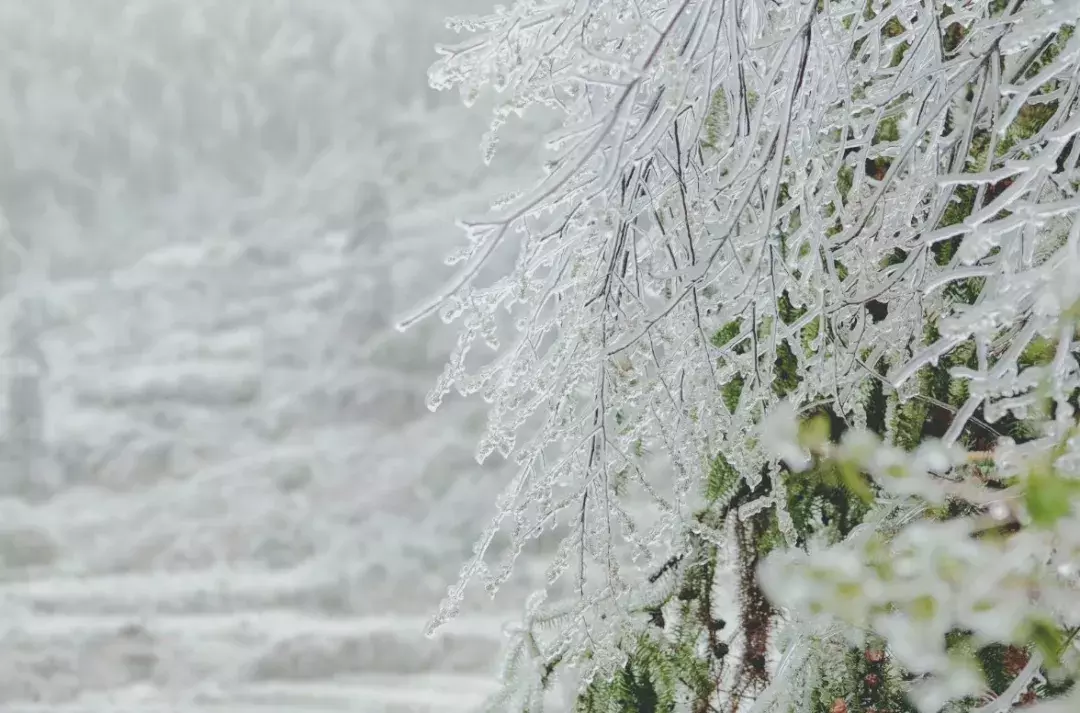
{"x": 780, "y": 434}
{"x": 203, "y": 415}
{"x": 754, "y": 210}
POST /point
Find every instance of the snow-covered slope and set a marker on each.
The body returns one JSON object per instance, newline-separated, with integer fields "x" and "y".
{"x": 243, "y": 504}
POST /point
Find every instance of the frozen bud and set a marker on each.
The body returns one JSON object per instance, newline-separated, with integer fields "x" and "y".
{"x": 872, "y": 680}
{"x": 875, "y": 655}
{"x": 935, "y": 457}
{"x": 780, "y": 435}
{"x": 858, "y": 446}
{"x": 839, "y": 706}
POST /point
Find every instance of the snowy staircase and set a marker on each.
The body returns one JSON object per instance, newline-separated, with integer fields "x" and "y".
{"x": 102, "y": 644}
{"x": 241, "y": 579}
{"x": 237, "y": 450}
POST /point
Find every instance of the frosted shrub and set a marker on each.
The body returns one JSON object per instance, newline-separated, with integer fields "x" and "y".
{"x": 859, "y": 214}
{"x": 919, "y": 583}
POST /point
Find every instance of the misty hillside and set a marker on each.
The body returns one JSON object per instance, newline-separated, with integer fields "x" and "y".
{"x": 219, "y": 485}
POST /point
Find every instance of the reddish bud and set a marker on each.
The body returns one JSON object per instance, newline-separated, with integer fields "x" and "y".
{"x": 1015, "y": 660}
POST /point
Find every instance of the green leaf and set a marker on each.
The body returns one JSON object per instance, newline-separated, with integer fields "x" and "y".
{"x": 854, "y": 481}
{"x": 1048, "y": 640}
{"x": 1048, "y": 497}
{"x": 814, "y": 432}
{"x": 924, "y": 607}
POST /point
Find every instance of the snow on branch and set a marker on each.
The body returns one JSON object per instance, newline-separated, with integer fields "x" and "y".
{"x": 749, "y": 201}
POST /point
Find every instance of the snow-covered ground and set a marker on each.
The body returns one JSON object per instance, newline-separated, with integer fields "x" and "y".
{"x": 242, "y": 503}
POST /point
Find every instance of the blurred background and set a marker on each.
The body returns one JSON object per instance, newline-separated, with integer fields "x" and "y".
{"x": 219, "y": 486}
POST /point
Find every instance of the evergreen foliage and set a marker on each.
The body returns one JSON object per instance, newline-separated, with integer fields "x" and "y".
{"x": 860, "y": 213}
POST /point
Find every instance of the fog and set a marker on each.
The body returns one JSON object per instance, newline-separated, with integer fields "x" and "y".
{"x": 219, "y": 486}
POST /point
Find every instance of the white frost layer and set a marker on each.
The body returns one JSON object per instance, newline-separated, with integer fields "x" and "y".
{"x": 245, "y": 505}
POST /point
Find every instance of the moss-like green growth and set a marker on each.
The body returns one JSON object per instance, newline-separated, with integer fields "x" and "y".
{"x": 722, "y": 480}
{"x": 717, "y": 119}
{"x": 726, "y": 333}
{"x": 731, "y": 391}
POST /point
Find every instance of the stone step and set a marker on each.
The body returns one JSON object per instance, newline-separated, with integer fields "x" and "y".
{"x": 382, "y": 694}
{"x": 57, "y": 658}
{"x": 388, "y": 694}
{"x": 315, "y": 588}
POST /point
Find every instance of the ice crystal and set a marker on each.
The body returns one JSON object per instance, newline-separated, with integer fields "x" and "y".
{"x": 754, "y": 209}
